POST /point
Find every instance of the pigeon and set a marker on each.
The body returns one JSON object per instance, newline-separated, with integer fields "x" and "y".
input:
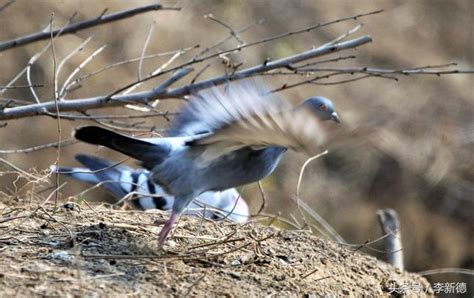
{"x": 222, "y": 138}
{"x": 123, "y": 181}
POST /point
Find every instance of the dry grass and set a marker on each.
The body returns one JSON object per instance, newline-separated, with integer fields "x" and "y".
{"x": 95, "y": 251}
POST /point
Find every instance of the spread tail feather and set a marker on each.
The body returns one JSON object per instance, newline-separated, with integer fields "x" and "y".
{"x": 150, "y": 154}
{"x": 81, "y": 174}
{"x": 103, "y": 169}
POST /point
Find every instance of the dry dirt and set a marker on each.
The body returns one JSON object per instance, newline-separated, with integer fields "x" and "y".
{"x": 96, "y": 251}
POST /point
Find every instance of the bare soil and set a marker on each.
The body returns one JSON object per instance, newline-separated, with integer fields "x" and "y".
{"x": 97, "y": 251}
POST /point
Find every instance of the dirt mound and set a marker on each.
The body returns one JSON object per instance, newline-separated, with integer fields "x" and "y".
{"x": 96, "y": 251}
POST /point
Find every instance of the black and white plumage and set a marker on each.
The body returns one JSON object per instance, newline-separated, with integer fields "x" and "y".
{"x": 122, "y": 181}
{"x": 222, "y": 139}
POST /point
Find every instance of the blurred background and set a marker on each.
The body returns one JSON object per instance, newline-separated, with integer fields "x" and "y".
{"x": 421, "y": 164}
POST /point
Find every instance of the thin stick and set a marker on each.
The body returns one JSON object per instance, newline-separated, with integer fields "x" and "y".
{"x": 265, "y": 40}
{"x": 145, "y": 45}
{"x": 106, "y": 117}
{"x": 73, "y": 28}
{"x": 300, "y": 178}
{"x": 4, "y": 6}
{"x": 200, "y": 73}
{"x": 194, "y": 284}
{"x": 158, "y": 70}
{"x": 162, "y": 93}
{"x": 128, "y": 61}
{"x": 421, "y": 70}
{"x": 17, "y": 169}
{"x": 64, "y": 89}
{"x": 43, "y": 50}
{"x": 56, "y": 99}
{"x": 223, "y": 41}
{"x": 367, "y": 243}
{"x": 40, "y": 147}
{"x": 21, "y": 86}
{"x": 70, "y": 55}
{"x": 389, "y": 224}
{"x": 264, "y": 201}
{"x": 28, "y": 76}
{"x": 343, "y": 36}
{"x": 232, "y": 32}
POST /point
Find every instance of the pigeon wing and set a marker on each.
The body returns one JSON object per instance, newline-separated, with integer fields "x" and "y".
{"x": 214, "y": 108}
{"x": 298, "y": 129}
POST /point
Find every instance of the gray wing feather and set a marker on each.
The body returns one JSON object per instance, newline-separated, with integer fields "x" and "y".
{"x": 215, "y": 108}
{"x": 247, "y": 114}
{"x": 297, "y": 129}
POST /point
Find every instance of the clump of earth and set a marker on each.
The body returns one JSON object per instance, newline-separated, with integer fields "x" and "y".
{"x": 96, "y": 251}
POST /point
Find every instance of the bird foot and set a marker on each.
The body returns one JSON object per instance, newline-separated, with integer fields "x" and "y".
{"x": 166, "y": 229}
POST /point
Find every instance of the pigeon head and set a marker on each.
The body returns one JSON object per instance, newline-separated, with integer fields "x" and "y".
{"x": 322, "y": 107}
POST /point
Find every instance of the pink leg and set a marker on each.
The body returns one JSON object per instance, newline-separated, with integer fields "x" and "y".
{"x": 167, "y": 229}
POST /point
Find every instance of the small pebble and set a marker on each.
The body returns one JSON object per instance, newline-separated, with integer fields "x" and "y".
{"x": 279, "y": 277}
{"x": 69, "y": 206}
{"x": 235, "y": 263}
{"x": 324, "y": 261}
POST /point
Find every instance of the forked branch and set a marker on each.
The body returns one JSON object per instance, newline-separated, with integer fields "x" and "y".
{"x": 163, "y": 92}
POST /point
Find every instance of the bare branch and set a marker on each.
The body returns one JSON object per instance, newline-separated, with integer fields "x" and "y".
{"x": 21, "y": 86}
{"x": 232, "y": 32}
{"x": 284, "y": 62}
{"x": 64, "y": 89}
{"x": 421, "y": 70}
{"x": 69, "y": 56}
{"x": 264, "y": 200}
{"x": 145, "y": 45}
{"x": 40, "y": 147}
{"x": 8, "y": 3}
{"x": 108, "y": 117}
{"x": 291, "y": 33}
{"x": 223, "y": 41}
{"x": 351, "y": 80}
{"x": 23, "y": 172}
{"x": 56, "y": 99}
{"x": 35, "y": 57}
{"x": 200, "y": 73}
{"x": 158, "y": 70}
{"x": 343, "y": 36}
{"x": 162, "y": 93}
{"x": 198, "y": 59}
{"x": 73, "y": 28}
{"x": 337, "y": 59}
{"x": 128, "y": 61}
{"x": 314, "y": 80}
{"x": 28, "y": 76}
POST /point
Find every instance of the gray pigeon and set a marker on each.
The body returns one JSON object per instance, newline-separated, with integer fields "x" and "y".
{"x": 123, "y": 181}
{"x": 222, "y": 139}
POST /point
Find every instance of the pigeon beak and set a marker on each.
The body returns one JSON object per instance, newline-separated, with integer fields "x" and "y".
{"x": 335, "y": 117}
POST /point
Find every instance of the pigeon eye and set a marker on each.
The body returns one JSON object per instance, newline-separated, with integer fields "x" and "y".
{"x": 323, "y": 107}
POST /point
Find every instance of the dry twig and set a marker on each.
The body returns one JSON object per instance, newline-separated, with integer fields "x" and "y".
{"x": 73, "y": 28}
{"x": 162, "y": 92}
